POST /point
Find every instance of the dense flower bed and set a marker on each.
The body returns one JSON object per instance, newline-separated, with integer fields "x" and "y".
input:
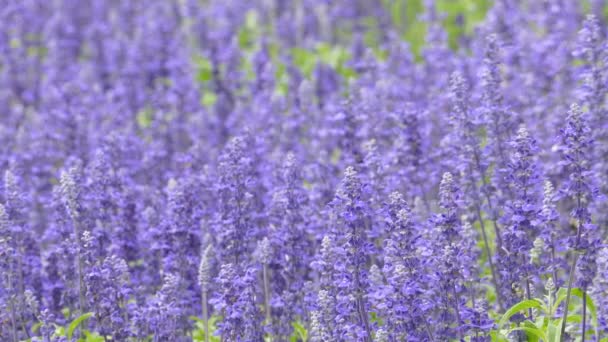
{"x": 297, "y": 171}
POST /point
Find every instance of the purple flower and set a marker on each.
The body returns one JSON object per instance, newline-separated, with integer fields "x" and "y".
{"x": 236, "y": 302}
{"x": 352, "y": 250}
{"x": 519, "y": 217}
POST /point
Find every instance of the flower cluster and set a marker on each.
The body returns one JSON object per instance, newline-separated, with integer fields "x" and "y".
{"x": 304, "y": 170}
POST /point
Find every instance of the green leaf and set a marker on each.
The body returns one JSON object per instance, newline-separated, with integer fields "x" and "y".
{"x": 535, "y": 332}
{"x": 36, "y": 326}
{"x": 93, "y": 337}
{"x": 59, "y": 330}
{"x": 299, "y": 333}
{"x": 590, "y": 305}
{"x": 208, "y": 99}
{"x": 304, "y": 60}
{"x": 66, "y": 313}
{"x": 521, "y": 306}
{"x": 75, "y": 323}
{"x": 198, "y": 334}
{"x": 531, "y": 325}
{"x": 204, "y": 69}
{"x": 497, "y": 336}
{"x": 144, "y": 118}
{"x": 553, "y": 331}
{"x": 196, "y": 319}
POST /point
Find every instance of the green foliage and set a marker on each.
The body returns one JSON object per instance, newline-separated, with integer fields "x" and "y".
{"x": 305, "y": 60}
{"x": 208, "y": 99}
{"x": 144, "y": 118}
{"x": 68, "y": 331}
{"x": 405, "y": 17}
{"x": 204, "y": 69}
{"x": 547, "y": 325}
{"x": 520, "y": 307}
{"x": 248, "y": 34}
{"x": 300, "y": 334}
{"x": 76, "y": 323}
{"x": 92, "y": 337}
{"x": 198, "y": 333}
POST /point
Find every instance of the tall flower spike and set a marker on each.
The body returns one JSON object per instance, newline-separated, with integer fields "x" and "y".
{"x": 353, "y": 248}
{"x": 550, "y": 232}
{"x": 288, "y": 234}
{"x": 402, "y": 300}
{"x": 232, "y": 225}
{"x": 204, "y": 268}
{"x": 591, "y": 49}
{"x": 9, "y": 293}
{"x": 325, "y": 312}
{"x": 520, "y": 214}
{"x": 448, "y": 223}
{"x": 446, "y": 261}
{"x": 108, "y": 291}
{"x": 70, "y": 192}
{"x": 473, "y": 166}
{"x": 70, "y": 195}
{"x": 498, "y": 120}
{"x": 491, "y": 78}
{"x": 162, "y": 313}
{"x": 600, "y": 286}
{"x": 13, "y": 198}
{"x": 236, "y": 299}
{"x": 575, "y": 148}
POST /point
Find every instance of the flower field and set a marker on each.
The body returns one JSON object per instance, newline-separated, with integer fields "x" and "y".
{"x": 303, "y": 170}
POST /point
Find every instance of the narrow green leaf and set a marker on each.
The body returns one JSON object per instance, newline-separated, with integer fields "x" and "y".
{"x": 552, "y": 333}
{"x": 532, "y": 331}
{"x": 590, "y": 305}
{"x": 93, "y": 337}
{"x": 75, "y": 323}
{"x": 196, "y": 319}
{"x": 521, "y": 306}
{"x": 36, "y": 326}
{"x": 497, "y": 336}
{"x": 300, "y": 331}
{"x": 59, "y": 330}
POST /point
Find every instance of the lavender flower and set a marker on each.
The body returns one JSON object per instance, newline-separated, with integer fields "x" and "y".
{"x": 402, "y": 299}
{"x": 520, "y": 213}
{"x": 499, "y": 121}
{"x": 108, "y": 292}
{"x": 145, "y": 145}
{"x": 352, "y": 251}
{"x": 447, "y": 263}
{"x": 236, "y": 302}
{"x": 576, "y": 144}
{"x": 325, "y": 311}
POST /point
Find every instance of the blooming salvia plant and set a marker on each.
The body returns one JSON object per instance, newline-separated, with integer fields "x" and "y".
{"x": 248, "y": 171}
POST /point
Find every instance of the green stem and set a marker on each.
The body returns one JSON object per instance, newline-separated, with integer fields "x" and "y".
{"x": 267, "y": 298}
{"x": 205, "y": 315}
{"x": 568, "y": 293}
{"x": 489, "y": 253}
{"x": 584, "y": 314}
